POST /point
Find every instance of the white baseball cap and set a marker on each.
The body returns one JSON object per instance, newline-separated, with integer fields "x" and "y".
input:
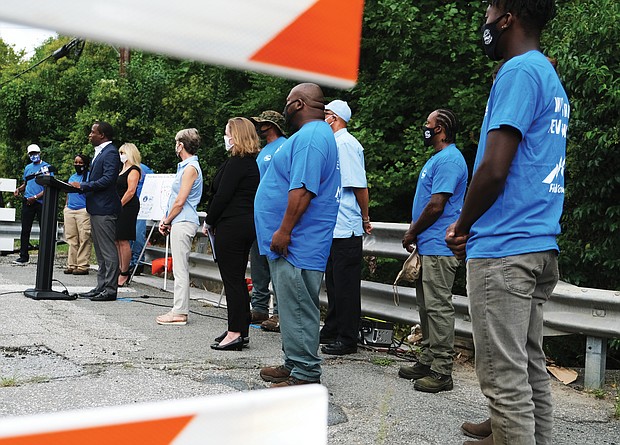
{"x": 340, "y": 108}
{"x": 33, "y": 148}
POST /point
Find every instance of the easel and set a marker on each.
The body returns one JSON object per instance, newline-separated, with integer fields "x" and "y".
{"x": 153, "y": 203}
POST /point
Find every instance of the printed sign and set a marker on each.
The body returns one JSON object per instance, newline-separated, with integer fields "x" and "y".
{"x": 154, "y": 196}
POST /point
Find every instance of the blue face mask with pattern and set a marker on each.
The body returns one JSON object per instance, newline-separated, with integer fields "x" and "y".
{"x": 35, "y": 158}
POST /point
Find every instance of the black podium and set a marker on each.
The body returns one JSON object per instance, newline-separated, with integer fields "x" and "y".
{"x": 47, "y": 241}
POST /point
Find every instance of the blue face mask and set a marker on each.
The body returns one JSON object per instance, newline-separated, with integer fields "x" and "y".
{"x": 35, "y": 158}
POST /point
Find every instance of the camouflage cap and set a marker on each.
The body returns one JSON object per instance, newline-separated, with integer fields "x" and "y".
{"x": 273, "y": 117}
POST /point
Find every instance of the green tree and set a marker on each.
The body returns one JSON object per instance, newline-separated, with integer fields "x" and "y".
{"x": 584, "y": 38}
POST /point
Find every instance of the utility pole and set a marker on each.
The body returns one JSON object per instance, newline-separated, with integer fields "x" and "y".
{"x": 125, "y": 57}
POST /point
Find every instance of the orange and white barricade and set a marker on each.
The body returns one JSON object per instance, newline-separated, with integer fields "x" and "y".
{"x": 301, "y": 39}
{"x": 281, "y": 416}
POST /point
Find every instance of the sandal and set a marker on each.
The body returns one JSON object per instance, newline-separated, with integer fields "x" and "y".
{"x": 172, "y": 319}
{"x": 127, "y": 273}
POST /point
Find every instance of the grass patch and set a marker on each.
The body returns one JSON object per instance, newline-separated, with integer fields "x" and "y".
{"x": 6, "y": 382}
{"x": 382, "y": 361}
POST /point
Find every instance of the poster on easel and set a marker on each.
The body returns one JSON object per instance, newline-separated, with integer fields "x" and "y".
{"x": 154, "y": 196}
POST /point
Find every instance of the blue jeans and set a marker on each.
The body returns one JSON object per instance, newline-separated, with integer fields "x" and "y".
{"x": 259, "y": 268}
{"x": 299, "y": 317}
{"x": 506, "y": 297}
{"x": 138, "y": 244}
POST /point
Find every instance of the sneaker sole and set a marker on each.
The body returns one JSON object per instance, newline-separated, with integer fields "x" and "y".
{"x": 173, "y": 323}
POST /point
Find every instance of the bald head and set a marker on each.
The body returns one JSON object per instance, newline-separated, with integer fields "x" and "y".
{"x": 305, "y": 102}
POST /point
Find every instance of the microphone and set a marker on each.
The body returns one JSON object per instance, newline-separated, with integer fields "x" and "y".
{"x": 45, "y": 170}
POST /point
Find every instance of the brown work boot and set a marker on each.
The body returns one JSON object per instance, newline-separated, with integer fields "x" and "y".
{"x": 477, "y": 430}
{"x": 486, "y": 441}
{"x": 292, "y": 381}
{"x": 434, "y": 382}
{"x": 271, "y": 324}
{"x": 275, "y": 374}
{"x": 259, "y": 317}
{"x": 415, "y": 372}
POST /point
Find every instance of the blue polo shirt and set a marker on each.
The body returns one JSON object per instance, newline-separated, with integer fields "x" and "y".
{"x": 263, "y": 159}
{"x": 528, "y": 96}
{"x": 76, "y": 201}
{"x": 353, "y": 175}
{"x": 444, "y": 172}
{"x": 307, "y": 159}
{"x": 32, "y": 188}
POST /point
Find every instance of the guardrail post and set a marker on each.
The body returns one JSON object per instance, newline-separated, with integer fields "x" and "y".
{"x": 7, "y": 243}
{"x": 596, "y": 358}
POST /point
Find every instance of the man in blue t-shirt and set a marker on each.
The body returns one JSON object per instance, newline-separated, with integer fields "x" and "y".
{"x": 343, "y": 274}
{"x": 269, "y": 126}
{"x": 510, "y": 220}
{"x": 295, "y": 213}
{"x": 33, "y": 199}
{"x": 437, "y": 203}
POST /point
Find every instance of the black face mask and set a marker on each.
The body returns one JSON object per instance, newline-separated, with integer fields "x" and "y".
{"x": 288, "y": 116}
{"x": 490, "y": 37}
{"x": 428, "y": 133}
{"x": 260, "y": 132}
{"x": 79, "y": 169}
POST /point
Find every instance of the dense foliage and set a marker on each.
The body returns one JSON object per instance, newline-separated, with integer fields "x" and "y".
{"x": 415, "y": 57}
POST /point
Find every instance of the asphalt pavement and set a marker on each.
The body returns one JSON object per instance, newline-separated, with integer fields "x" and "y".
{"x": 61, "y": 355}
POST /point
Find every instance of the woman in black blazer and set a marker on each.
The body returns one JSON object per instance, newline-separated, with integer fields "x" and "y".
{"x": 230, "y": 217}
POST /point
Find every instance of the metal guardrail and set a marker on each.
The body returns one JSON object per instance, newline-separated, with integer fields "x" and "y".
{"x": 571, "y": 309}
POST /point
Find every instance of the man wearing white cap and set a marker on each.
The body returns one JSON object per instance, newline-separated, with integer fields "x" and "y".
{"x": 344, "y": 266}
{"x": 33, "y": 199}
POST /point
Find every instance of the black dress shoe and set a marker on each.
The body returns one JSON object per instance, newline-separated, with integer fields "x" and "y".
{"x": 235, "y": 345}
{"x": 338, "y": 348}
{"x": 325, "y": 339}
{"x": 219, "y": 338}
{"x": 91, "y": 293}
{"x": 103, "y": 296}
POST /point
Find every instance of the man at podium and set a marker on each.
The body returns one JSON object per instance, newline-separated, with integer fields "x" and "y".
{"x": 103, "y": 204}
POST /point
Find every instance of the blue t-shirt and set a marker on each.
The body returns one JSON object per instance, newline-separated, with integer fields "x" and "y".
{"x": 32, "y": 188}
{"x": 528, "y": 96}
{"x": 188, "y": 212}
{"x": 307, "y": 159}
{"x": 444, "y": 172}
{"x": 145, "y": 171}
{"x": 76, "y": 201}
{"x": 263, "y": 159}
{"x": 352, "y": 175}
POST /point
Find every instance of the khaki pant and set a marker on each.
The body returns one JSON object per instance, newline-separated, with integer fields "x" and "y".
{"x": 434, "y": 298}
{"x": 506, "y": 297}
{"x": 181, "y": 238}
{"x": 77, "y": 234}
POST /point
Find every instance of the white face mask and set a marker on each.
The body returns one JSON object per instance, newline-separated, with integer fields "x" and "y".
{"x": 227, "y": 143}
{"x": 123, "y": 158}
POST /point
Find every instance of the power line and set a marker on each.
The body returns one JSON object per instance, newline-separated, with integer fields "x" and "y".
{"x": 75, "y": 44}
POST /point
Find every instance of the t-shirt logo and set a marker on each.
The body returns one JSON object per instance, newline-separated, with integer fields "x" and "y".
{"x": 423, "y": 175}
{"x": 267, "y": 158}
{"x": 553, "y": 176}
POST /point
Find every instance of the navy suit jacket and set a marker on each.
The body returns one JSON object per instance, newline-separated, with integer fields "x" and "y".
{"x": 100, "y": 188}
